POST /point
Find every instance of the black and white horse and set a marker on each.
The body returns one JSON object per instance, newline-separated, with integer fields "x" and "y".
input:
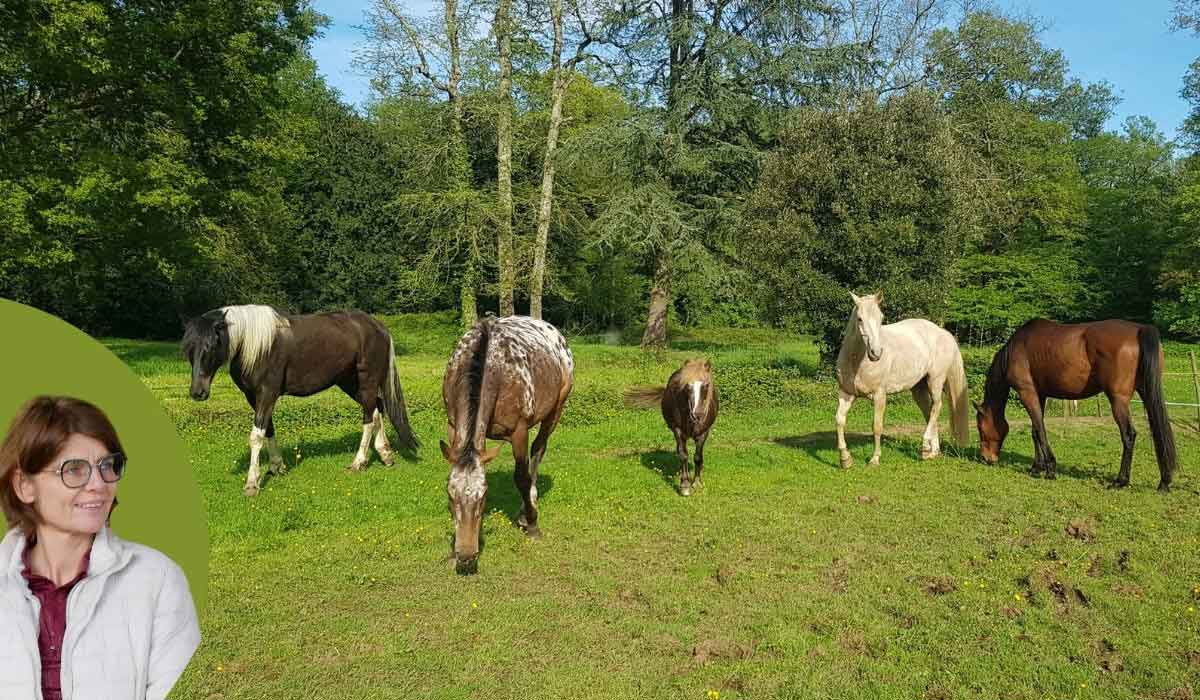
{"x": 272, "y": 355}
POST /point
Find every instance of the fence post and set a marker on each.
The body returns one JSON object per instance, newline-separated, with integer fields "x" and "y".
{"x": 1195, "y": 386}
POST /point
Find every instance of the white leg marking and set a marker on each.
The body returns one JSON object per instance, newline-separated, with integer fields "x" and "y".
{"x": 258, "y": 437}
{"x": 362, "y": 456}
{"x": 382, "y": 446}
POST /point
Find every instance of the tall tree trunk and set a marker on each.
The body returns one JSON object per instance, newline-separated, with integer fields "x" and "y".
{"x": 559, "y": 90}
{"x": 660, "y": 303}
{"x": 504, "y": 248}
{"x": 460, "y": 166}
{"x": 679, "y": 42}
{"x": 467, "y": 300}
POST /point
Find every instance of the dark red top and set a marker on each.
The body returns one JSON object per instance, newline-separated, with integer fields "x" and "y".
{"x": 53, "y": 622}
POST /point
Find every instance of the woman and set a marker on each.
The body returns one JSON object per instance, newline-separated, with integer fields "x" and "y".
{"x": 83, "y": 614}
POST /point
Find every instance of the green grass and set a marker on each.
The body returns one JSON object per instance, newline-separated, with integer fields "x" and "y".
{"x": 784, "y": 577}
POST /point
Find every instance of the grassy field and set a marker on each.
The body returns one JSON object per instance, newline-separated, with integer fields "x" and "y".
{"x": 784, "y": 577}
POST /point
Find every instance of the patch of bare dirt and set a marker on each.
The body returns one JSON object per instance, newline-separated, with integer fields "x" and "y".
{"x": 939, "y": 585}
{"x": 853, "y": 641}
{"x": 865, "y": 500}
{"x": 710, "y": 649}
{"x": 1095, "y": 565}
{"x": 1082, "y": 529}
{"x": 1193, "y": 658}
{"x": 1128, "y": 590}
{"x": 1110, "y": 660}
{"x": 1010, "y": 612}
{"x": 1031, "y": 535}
{"x": 837, "y": 576}
{"x": 725, "y": 574}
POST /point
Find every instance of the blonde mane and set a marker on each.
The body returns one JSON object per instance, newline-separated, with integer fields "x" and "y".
{"x": 252, "y": 332}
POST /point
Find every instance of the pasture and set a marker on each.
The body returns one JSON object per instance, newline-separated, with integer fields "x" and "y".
{"x": 783, "y": 577}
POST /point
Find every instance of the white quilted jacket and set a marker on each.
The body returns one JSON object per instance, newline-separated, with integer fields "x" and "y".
{"x": 131, "y": 625}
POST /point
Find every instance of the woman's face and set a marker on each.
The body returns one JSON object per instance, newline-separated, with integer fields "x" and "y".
{"x": 80, "y": 511}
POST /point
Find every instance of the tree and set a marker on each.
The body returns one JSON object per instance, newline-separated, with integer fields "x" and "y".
{"x": 136, "y": 152}
{"x": 503, "y": 26}
{"x": 719, "y": 71}
{"x": 560, "y": 79}
{"x": 423, "y": 58}
{"x": 1178, "y": 306}
{"x": 874, "y": 195}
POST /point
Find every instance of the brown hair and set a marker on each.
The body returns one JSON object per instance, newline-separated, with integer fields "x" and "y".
{"x": 35, "y": 437}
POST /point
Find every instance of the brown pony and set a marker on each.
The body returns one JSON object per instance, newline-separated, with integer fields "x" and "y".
{"x": 1046, "y": 359}
{"x": 689, "y": 405}
{"x": 506, "y": 375}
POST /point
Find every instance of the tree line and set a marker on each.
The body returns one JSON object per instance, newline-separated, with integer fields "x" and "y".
{"x": 602, "y": 164}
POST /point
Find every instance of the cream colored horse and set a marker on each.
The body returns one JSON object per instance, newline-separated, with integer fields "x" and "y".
{"x": 876, "y": 360}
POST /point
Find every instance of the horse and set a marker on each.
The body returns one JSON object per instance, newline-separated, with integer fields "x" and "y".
{"x": 689, "y": 405}
{"x": 1074, "y": 361}
{"x": 505, "y": 376}
{"x": 271, "y": 354}
{"x": 876, "y": 360}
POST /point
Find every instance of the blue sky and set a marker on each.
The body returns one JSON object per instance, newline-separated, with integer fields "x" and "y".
{"x": 1125, "y": 42}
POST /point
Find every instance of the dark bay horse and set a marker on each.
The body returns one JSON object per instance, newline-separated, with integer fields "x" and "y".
{"x": 1046, "y": 359}
{"x": 271, "y": 355}
{"x": 505, "y": 376}
{"x": 689, "y": 405}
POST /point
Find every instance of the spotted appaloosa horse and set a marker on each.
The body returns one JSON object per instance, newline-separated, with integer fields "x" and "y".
{"x": 505, "y": 376}
{"x": 1074, "y": 361}
{"x": 271, "y": 354}
{"x": 689, "y": 405}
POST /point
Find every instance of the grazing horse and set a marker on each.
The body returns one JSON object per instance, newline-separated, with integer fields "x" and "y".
{"x": 505, "y": 376}
{"x": 272, "y": 355}
{"x": 689, "y": 405}
{"x": 1074, "y": 361}
{"x": 876, "y": 360}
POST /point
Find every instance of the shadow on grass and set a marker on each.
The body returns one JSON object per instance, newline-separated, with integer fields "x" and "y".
{"x": 822, "y": 446}
{"x": 665, "y": 464}
{"x": 135, "y": 353}
{"x": 345, "y": 446}
{"x": 502, "y": 492}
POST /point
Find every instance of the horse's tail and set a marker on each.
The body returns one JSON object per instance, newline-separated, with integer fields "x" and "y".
{"x": 956, "y": 387}
{"x": 644, "y": 396}
{"x": 393, "y": 402}
{"x": 1149, "y": 386}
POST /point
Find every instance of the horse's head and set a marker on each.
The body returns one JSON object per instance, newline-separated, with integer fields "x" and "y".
{"x": 993, "y": 428}
{"x": 206, "y": 345}
{"x": 697, "y": 378}
{"x": 869, "y": 319}
{"x": 467, "y": 489}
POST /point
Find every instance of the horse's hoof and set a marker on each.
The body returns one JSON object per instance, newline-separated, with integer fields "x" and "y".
{"x": 685, "y": 489}
{"x": 1120, "y": 484}
{"x": 357, "y": 467}
{"x": 1164, "y": 487}
{"x": 1051, "y": 476}
{"x": 873, "y": 462}
{"x": 846, "y": 460}
{"x": 531, "y": 531}
{"x": 930, "y": 454}
{"x": 388, "y": 458}
{"x": 250, "y": 491}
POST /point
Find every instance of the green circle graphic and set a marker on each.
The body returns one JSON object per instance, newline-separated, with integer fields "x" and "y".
{"x": 160, "y": 501}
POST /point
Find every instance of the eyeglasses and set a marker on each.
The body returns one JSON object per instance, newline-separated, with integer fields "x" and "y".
{"x": 75, "y": 473}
